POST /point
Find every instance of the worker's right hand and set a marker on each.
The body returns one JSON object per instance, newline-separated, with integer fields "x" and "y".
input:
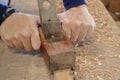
{"x": 21, "y": 31}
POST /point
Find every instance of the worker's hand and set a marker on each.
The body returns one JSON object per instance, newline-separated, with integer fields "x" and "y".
{"x": 77, "y": 23}
{"x": 21, "y": 31}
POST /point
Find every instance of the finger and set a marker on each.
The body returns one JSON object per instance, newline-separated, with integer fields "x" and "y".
{"x": 83, "y": 33}
{"x": 35, "y": 40}
{"x": 26, "y": 43}
{"x": 8, "y": 43}
{"x": 90, "y": 31}
{"x": 75, "y": 32}
{"x": 65, "y": 25}
{"x": 66, "y": 30}
{"x": 18, "y": 44}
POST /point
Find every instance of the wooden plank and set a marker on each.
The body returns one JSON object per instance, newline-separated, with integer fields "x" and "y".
{"x": 21, "y": 65}
{"x": 63, "y": 75}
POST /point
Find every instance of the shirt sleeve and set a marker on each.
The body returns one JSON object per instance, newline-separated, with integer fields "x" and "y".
{"x": 3, "y": 8}
{"x": 72, "y": 3}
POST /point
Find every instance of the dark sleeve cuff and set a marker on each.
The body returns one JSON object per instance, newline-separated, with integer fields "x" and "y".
{"x": 3, "y": 9}
{"x": 72, "y": 3}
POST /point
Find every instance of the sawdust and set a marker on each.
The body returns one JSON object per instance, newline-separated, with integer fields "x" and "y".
{"x": 118, "y": 23}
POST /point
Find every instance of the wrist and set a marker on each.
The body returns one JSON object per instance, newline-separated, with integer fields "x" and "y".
{"x": 80, "y": 8}
{"x": 68, "y": 4}
{"x": 3, "y": 9}
{"x": 8, "y": 13}
{"x": 8, "y": 9}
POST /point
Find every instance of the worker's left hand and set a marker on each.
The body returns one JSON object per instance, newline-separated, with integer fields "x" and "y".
{"x": 77, "y": 23}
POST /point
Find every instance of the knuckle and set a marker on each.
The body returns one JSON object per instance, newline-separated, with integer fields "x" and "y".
{"x": 76, "y": 27}
{"x": 78, "y": 23}
{"x": 36, "y": 33}
{"x": 66, "y": 21}
{"x": 18, "y": 35}
{"x": 92, "y": 25}
{"x": 85, "y": 25}
{"x": 23, "y": 34}
{"x": 7, "y": 37}
{"x": 15, "y": 36}
{"x": 89, "y": 25}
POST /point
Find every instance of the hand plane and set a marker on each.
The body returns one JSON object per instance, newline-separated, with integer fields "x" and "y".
{"x": 57, "y": 50}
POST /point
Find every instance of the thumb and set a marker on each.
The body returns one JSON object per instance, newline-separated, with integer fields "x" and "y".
{"x": 35, "y": 40}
